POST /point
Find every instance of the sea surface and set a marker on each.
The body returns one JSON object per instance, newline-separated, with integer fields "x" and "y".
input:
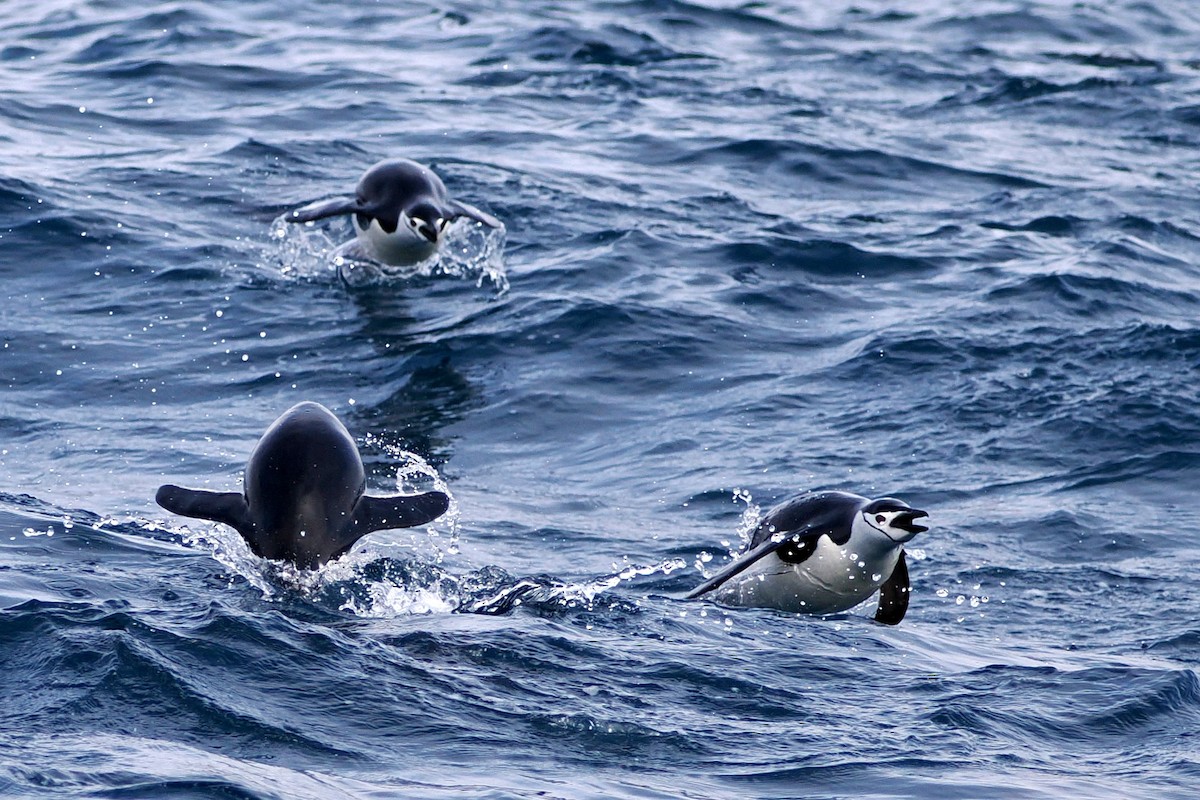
{"x": 945, "y": 251}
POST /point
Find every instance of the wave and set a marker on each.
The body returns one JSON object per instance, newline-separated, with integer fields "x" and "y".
{"x": 843, "y": 169}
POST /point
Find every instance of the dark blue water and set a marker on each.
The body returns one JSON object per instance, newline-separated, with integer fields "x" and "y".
{"x": 943, "y": 251}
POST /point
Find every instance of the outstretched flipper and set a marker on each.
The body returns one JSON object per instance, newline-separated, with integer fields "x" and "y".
{"x": 796, "y": 547}
{"x": 321, "y": 210}
{"x": 228, "y": 508}
{"x": 460, "y": 209}
{"x": 400, "y": 511}
{"x": 893, "y": 595}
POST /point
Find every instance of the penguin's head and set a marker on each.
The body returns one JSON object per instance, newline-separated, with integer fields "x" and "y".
{"x": 425, "y": 220}
{"x": 893, "y": 518}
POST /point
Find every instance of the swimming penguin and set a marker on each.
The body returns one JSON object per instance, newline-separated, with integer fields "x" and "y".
{"x": 400, "y": 212}
{"x": 821, "y": 553}
{"x": 303, "y": 498}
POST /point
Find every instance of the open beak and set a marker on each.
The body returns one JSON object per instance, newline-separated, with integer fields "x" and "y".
{"x": 906, "y": 521}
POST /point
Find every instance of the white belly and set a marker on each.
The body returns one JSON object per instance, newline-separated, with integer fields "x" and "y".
{"x": 832, "y": 579}
{"x": 402, "y": 248}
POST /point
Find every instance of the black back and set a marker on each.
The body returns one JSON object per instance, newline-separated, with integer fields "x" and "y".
{"x": 301, "y": 483}
{"x": 303, "y": 495}
{"x": 818, "y": 513}
{"x": 393, "y": 186}
{"x": 390, "y": 187}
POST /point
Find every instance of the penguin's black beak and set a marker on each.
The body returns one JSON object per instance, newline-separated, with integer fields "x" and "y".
{"x": 905, "y": 521}
{"x": 428, "y": 230}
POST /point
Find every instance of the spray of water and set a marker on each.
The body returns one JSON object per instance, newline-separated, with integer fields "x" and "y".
{"x": 306, "y": 252}
{"x": 404, "y": 572}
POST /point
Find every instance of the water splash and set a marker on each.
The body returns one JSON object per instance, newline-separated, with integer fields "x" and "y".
{"x": 751, "y": 517}
{"x": 382, "y": 596}
{"x": 365, "y": 583}
{"x": 492, "y": 591}
{"x": 415, "y": 475}
{"x": 307, "y": 253}
{"x": 375, "y": 582}
{"x": 301, "y": 252}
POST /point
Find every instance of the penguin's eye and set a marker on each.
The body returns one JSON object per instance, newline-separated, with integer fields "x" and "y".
{"x": 880, "y": 518}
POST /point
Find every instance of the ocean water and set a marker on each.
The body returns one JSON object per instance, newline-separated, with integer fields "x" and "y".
{"x": 945, "y": 251}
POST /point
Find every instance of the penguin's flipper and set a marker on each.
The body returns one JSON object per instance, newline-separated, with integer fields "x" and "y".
{"x": 228, "y": 508}
{"x": 893, "y": 595}
{"x": 397, "y": 511}
{"x": 793, "y": 548}
{"x": 458, "y": 209}
{"x": 321, "y": 210}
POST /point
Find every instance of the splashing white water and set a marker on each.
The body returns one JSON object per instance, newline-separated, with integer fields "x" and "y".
{"x": 376, "y": 597}
{"x": 306, "y": 252}
{"x": 372, "y": 582}
{"x": 413, "y": 475}
{"x": 386, "y": 600}
{"x": 493, "y": 597}
{"x": 751, "y": 516}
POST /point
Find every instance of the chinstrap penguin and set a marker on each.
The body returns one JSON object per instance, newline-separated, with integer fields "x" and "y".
{"x": 302, "y": 498}
{"x": 400, "y": 211}
{"x": 821, "y": 553}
